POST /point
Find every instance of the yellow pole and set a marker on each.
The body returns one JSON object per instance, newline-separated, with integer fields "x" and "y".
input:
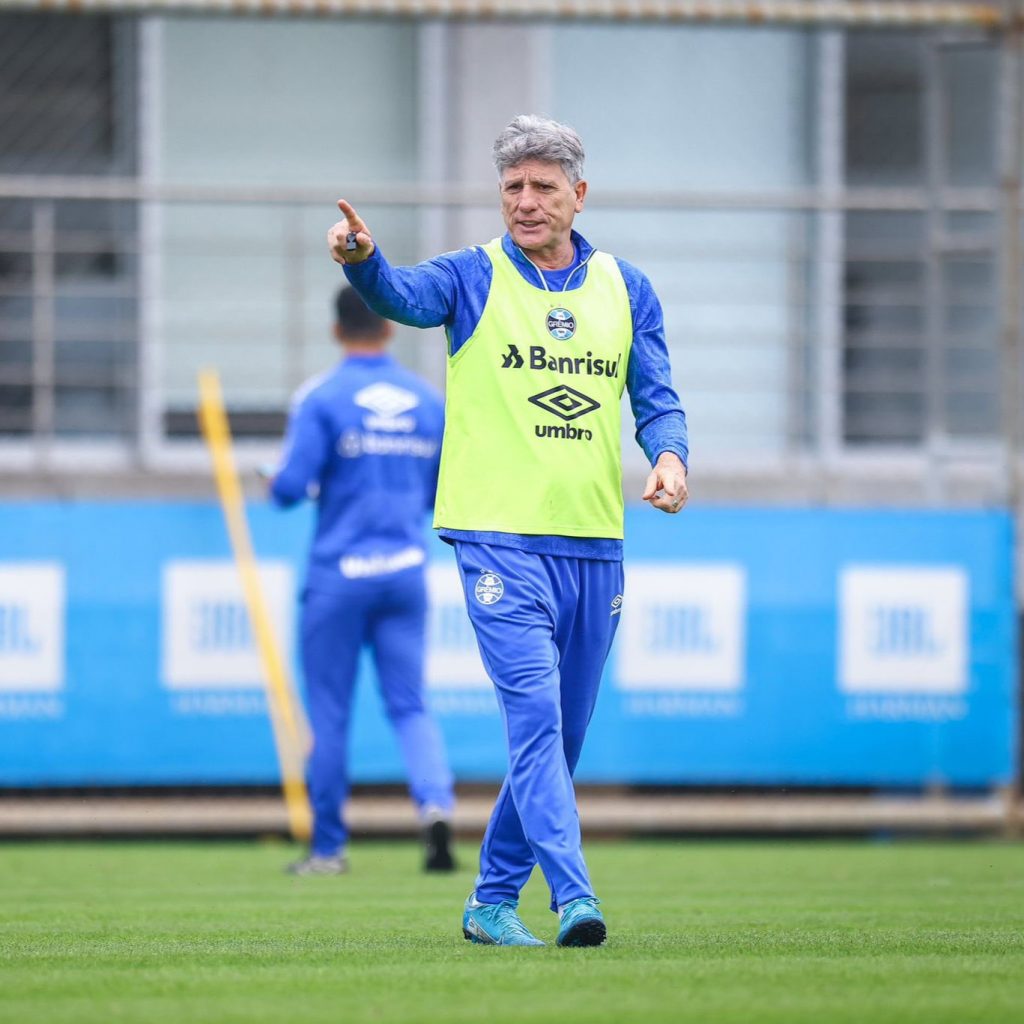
{"x": 291, "y": 731}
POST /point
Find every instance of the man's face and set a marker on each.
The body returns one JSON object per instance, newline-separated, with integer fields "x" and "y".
{"x": 539, "y": 204}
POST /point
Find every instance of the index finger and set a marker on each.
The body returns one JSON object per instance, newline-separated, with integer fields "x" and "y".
{"x": 355, "y": 222}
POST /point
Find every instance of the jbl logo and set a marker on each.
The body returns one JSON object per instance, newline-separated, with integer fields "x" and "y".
{"x": 221, "y": 626}
{"x": 15, "y": 632}
{"x": 683, "y": 628}
{"x": 906, "y": 630}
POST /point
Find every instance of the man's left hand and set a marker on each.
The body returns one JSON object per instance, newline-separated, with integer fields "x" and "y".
{"x": 666, "y": 486}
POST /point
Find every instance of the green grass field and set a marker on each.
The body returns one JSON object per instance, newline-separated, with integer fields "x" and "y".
{"x": 698, "y": 931}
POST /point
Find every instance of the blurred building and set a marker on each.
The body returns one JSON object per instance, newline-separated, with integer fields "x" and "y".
{"x": 828, "y": 207}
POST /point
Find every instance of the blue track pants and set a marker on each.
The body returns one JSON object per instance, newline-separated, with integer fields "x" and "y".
{"x": 388, "y": 614}
{"x": 545, "y": 625}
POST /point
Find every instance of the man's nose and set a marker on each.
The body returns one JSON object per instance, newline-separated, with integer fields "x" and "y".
{"x": 527, "y": 198}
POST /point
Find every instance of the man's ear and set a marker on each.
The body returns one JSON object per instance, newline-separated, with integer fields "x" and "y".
{"x": 581, "y": 192}
{"x": 336, "y": 332}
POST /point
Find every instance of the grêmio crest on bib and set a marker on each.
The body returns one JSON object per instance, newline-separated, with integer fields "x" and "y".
{"x": 561, "y": 324}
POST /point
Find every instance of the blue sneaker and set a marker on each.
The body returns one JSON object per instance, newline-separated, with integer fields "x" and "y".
{"x": 495, "y": 924}
{"x": 581, "y": 923}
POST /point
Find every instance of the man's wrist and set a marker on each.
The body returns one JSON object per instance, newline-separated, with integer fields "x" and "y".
{"x": 669, "y": 458}
{"x": 365, "y": 261}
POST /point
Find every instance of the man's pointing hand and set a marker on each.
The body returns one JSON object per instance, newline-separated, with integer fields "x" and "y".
{"x": 349, "y": 240}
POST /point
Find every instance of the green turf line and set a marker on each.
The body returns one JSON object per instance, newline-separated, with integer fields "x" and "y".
{"x": 698, "y": 931}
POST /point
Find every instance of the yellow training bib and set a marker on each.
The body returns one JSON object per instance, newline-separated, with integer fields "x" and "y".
{"x": 532, "y": 418}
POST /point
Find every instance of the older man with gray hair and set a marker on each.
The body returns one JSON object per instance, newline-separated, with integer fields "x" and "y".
{"x": 544, "y": 334}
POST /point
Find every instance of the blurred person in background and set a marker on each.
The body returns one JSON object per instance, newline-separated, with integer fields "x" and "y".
{"x": 363, "y": 441}
{"x": 544, "y": 333}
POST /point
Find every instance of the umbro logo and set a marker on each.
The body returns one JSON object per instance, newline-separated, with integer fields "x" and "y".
{"x": 565, "y": 402}
{"x": 385, "y": 399}
{"x": 387, "y": 407}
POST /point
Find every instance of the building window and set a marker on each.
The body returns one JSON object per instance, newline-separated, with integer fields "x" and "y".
{"x": 68, "y": 274}
{"x": 920, "y": 349}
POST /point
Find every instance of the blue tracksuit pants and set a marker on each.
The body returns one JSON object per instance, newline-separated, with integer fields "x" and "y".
{"x": 388, "y": 614}
{"x": 544, "y": 624}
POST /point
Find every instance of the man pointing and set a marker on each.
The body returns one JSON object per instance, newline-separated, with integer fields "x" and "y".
{"x": 544, "y": 333}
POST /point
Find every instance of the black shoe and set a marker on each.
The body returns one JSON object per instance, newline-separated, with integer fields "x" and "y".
{"x": 437, "y": 837}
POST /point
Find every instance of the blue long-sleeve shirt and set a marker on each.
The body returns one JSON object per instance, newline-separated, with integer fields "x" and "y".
{"x": 451, "y": 291}
{"x": 364, "y": 441}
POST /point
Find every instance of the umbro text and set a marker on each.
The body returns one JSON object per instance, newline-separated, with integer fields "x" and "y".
{"x": 566, "y": 433}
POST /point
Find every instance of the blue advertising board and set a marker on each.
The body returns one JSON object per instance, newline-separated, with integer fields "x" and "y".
{"x": 755, "y": 646}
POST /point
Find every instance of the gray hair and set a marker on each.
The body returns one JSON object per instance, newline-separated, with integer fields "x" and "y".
{"x": 529, "y": 137}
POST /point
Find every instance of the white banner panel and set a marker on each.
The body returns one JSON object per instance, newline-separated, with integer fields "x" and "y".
{"x": 903, "y": 629}
{"x": 208, "y": 642}
{"x": 32, "y": 600}
{"x": 683, "y": 628}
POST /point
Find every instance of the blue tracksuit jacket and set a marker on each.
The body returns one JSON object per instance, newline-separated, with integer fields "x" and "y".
{"x": 364, "y": 440}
